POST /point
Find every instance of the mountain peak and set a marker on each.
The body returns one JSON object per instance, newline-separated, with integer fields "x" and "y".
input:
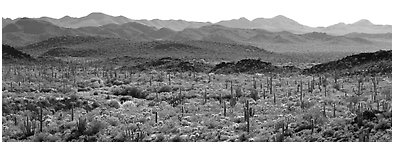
{"x": 96, "y": 15}
{"x": 364, "y": 22}
{"x": 243, "y": 19}
{"x": 280, "y": 17}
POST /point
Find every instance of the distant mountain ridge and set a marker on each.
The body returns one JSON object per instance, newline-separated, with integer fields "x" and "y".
{"x": 27, "y": 31}
{"x": 275, "y": 24}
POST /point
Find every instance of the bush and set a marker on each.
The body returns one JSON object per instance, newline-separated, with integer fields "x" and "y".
{"x": 95, "y": 127}
{"x": 165, "y": 88}
{"x": 238, "y": 92}
{"x": 176, "y": 138}
{"x": 40, "y": 137}
{"x": 131, "y": 91}
{"x": 114, "y": 104}
{"x": 159, "y": 138}
{"x": 254, "y": 94}
{"x": 117, "y": 90}
{"x": 134, "y": 92}
{"x": 113, "y": 121}
{"x": 337, "y": 87}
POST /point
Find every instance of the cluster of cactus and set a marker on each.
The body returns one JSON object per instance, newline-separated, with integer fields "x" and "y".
{"x": 269, "y": 84}
{"x": 81, "y": 125}
{"x": 29, "y": 127}
{"x": 41, "y": 119}
{"x": 134, "y": 135}
{"x": 359, "y": 89}
{"x": 364, "y": 136}
{"x": 247, "y": 113}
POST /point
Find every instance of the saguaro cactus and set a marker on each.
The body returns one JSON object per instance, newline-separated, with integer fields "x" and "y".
{"x": 247, "y": 115}
{"x": 29, "y": 127}
{"x": 224, "y": 109}
{"x": 155, "y": 116}
{"x": 169, "y": 78}
{"x": 41, "y": 119}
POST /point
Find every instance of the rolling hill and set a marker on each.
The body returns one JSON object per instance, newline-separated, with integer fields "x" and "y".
{"x": 100, "y": 47}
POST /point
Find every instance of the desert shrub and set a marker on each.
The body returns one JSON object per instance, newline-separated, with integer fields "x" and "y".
{"x": 125, "y": 98}
{"x": 113, "y": 121}
{"x": 96, "y": 82}
{"x": 238, "y": 92}
{"x": 73, "y": 97}
{"x": 165, "y": 88}
{"x": 135, "y": 92}
{"x": 254, "y": 94}
{"x": 66, "y": 89}
{"x": 159, "y": 78}
{"x": 40, "y": 137}
{"x": 279, "y": 124}
{"x": 95, "y": 127}
{"x": 116, "y": 90}
{"x": 382, "y": 125}
{"x": 176, "y": 138}
{"x": 386, "y": 92}
{"x": 243, "y": 137}
{"x": 114, "y": 81}
{"x": 83, "y": 84}
{"x": 151, "y": 104}
{"x": 337, "y": 86}
{"x": 53, "y": 138}
{"x": 114, "y": 103}
{"x": 308, "y": 104}
{"x": 131, "y": 91}
{"x": 160, "y": 138}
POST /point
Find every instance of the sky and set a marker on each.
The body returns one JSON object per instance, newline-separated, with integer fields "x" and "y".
{"x": 308, "y": 12}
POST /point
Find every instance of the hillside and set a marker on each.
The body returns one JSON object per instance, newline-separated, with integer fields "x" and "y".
{"x": 364, "y": 63}
{"x": 11, "y": 55}
{"x": 276, "y": 24}
{"x": 27, "y": 31}
{"x": 115, "y": 47}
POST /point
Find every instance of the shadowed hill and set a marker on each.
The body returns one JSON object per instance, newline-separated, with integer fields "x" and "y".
{"x": 10, "y": 54}
{"x": 364, "y": 63}
{"x": 250, "y": 66}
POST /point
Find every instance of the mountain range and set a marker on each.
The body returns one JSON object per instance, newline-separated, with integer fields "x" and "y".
{"x": 27, "y": 31}
{"x": 275, "y": 24}
{"x": 278, "y": 34}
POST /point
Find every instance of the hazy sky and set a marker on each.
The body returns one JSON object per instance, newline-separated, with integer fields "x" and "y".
{"x": 309, "y": 12}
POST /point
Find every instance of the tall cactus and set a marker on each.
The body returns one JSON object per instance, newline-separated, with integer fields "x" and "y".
{"x": 247, "y": 115}
{"x": 72, "y": 111}
{"x": 169, "y": 78}
{"x": 205, "y": 95}
{"x": 254, "y": 83}
{"x": 41, "y": 119}
{"x": 334, "y": 110}
{"x": 155, "y": 116}
{"x": 271, "y": 85}
{"x": 224, "y": 108}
